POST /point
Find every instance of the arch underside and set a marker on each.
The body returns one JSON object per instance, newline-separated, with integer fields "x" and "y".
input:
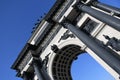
{"x": 61, "y": 67}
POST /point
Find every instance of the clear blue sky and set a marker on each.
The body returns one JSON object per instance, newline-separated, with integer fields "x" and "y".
{"x": 17, "y": 17}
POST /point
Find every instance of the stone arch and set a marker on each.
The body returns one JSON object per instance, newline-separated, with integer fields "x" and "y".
{"x": 62, "y": 62}
{"x": 59, "y": 64}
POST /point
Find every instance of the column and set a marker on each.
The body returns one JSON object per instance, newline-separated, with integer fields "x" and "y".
{"x": 39, "y": 70}
{"x": 106, "y": 7}
{"x": 89, "y": 41}
{"x": 110, "y": 20}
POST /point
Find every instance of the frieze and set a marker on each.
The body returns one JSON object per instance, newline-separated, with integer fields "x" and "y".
{"x": 25, "y": 60}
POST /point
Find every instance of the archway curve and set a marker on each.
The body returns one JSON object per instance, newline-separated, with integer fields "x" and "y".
{"x": 61, "y": 65}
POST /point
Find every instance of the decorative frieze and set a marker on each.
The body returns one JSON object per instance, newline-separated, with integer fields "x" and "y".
{"x": 62, "y": 9}
{"x": 25, "y": 60}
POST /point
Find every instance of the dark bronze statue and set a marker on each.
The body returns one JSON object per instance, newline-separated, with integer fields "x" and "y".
{"x": 113, "y": 42}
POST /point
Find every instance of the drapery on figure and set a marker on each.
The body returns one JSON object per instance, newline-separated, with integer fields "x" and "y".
{"x": 113, "y": 42}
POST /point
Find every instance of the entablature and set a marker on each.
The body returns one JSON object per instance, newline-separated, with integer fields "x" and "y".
{"x": 22, "y": 55}
{"x": 25, "y": 61}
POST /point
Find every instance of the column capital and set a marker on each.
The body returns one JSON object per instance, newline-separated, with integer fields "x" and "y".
{"x": 37, "y": 61}
{"x": 39, "y": 69}
{"x": 25, "y": 76}
{"x": 91, "y": 2}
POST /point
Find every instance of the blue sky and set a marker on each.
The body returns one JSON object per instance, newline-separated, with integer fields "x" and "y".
{"x": 17, "y": 18}
{"x": 88, "y": 69}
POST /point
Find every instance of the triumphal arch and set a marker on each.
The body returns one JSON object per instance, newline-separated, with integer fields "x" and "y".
{"x": 69, "y": 29}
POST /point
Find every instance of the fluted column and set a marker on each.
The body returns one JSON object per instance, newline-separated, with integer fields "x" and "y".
{"x": 105, "y": 55}
{"x": 110, "y": 20}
